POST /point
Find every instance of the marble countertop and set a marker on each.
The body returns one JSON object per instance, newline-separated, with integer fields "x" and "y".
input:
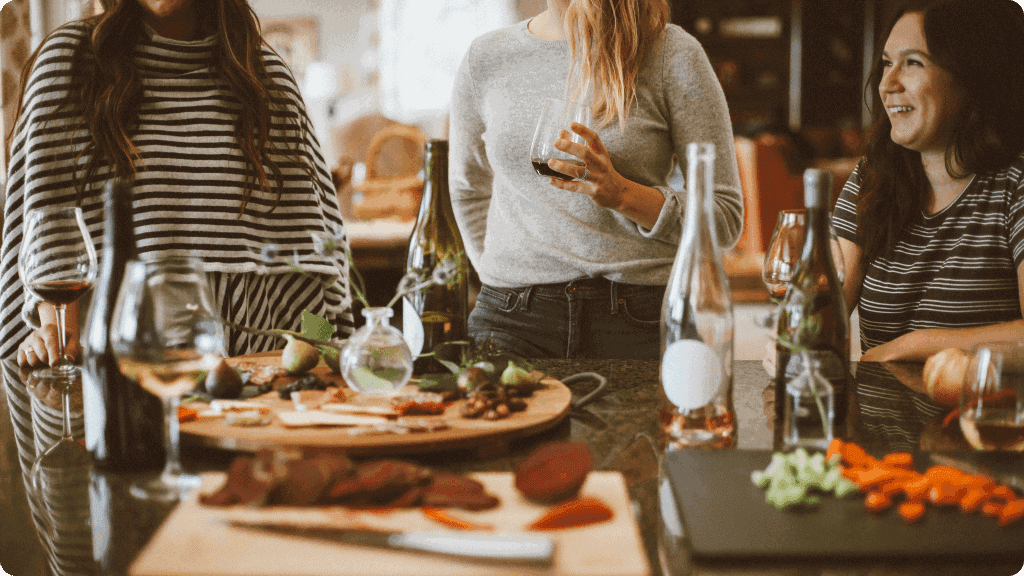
{"x": 621, "y": 427}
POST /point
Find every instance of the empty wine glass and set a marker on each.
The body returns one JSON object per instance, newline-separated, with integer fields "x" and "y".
{"x": 557, "y": 115}
{"x": 164, "y": 335}
{"x": 783, "y": 255}
{"x": 57, "y": 264}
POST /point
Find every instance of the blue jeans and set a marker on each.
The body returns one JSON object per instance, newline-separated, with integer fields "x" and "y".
{"x": 587, "y": 318}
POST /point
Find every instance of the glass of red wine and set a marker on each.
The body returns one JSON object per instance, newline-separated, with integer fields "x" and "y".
{"x": 57, "y": 264}
{"x": 557, "y": 115}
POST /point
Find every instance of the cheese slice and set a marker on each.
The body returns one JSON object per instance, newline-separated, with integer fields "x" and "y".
{"x": 321, "y": 418}
{"x": 339, "y": 408}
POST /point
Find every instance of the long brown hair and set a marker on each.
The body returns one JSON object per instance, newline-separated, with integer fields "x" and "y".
{"x": 981, "y": 44}
{"x": 106, "y": 90}
{"x": 608, "y": 40}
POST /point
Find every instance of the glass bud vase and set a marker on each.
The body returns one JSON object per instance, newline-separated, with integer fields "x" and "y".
{"x": 809, "y": 411}
{"x": 376, "y": 359}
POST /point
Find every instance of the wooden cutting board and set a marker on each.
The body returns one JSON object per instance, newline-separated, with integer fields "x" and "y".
{"x": 195, "y": 541}
{"x": 547, "y": 407}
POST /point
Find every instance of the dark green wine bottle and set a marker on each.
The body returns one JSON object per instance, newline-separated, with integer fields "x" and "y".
{"x": 123, "y": 422}
{"x": 813, "y": 314}
{"x": 438, "y": 313}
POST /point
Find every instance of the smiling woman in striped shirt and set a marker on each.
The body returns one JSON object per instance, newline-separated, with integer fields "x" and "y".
{"x": 184, "y": 98}
{"x": 932, "y": 221}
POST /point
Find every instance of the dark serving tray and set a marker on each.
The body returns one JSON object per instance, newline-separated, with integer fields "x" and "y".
{"x": 725, "y": 515}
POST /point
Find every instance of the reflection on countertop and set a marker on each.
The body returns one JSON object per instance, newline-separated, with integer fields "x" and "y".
{"x": 621, "y": 428}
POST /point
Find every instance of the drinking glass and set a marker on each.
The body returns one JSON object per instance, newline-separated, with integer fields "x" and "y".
{"x": 164, "y": 334}
{"x": 66, "y": 452}
{"x": 783, "y": 252}
{"x": 557, "y": 115}
{"x": 57, "y": 264}
{"x": 783, "y": 255}
{"x": 992, "y": 398}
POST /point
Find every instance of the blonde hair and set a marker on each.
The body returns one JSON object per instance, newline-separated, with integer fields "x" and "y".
{"x": 608, "y": 41}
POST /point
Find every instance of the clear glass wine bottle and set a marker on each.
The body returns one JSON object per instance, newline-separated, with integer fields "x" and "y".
{"x": 697, "y": 323}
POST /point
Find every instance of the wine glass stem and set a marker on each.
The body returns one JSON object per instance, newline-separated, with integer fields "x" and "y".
{"x": 65, "y": 397}
{"x": 60, "y": 309}
{"x": 172, "y": 468}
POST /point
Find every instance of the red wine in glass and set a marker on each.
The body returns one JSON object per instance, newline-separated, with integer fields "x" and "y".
{"x": 541, "y": 167}
{"x": 557, "y": 116}
{"x": 57, "y": 264}
{"x": 61, "y": 291}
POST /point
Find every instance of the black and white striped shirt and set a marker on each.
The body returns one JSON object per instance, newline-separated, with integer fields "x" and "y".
{"x": 954, "y": 269}
{"x": 188, "y": 188}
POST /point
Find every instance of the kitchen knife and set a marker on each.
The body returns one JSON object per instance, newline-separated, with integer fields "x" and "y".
{"x": 509, "y": 548}
{"x": 964, "y": 466}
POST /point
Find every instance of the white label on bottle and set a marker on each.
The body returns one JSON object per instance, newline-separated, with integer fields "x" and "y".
{"x": 691, "y": 374}
{"x": 412, "y": 328}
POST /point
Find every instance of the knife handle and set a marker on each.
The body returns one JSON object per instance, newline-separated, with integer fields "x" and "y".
{"x": 507, "y": 547}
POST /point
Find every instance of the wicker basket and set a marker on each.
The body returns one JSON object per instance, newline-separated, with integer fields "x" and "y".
{"x": 391, "y": 196}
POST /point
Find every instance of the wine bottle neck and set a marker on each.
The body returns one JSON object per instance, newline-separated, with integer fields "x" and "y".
{"x": 699, "y": 218}
{"x": 435, "y": 179}
{"x": 119, "y": 229}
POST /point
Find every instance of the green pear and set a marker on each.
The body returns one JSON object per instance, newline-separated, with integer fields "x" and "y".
{"x": 298, "y": 357}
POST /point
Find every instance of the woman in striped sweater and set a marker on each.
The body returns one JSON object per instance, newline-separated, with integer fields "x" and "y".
{"x": 184, "y": 98}
{"x": 932, "y": 221}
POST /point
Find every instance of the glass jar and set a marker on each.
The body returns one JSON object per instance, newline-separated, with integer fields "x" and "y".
{"x": 376, "y": 359}
{"x": 809, "y": 411}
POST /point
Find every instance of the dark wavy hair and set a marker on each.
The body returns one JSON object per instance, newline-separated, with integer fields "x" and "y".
{"x": 107, "y": 91}
{"x": 981, "y": 44}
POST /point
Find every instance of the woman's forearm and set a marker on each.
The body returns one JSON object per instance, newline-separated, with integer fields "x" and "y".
{"x": 641, "y": 204}
{"x": 918, "y": 345}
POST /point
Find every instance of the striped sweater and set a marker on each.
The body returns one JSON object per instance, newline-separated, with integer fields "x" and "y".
{"x": 188, "y": 189}
{"x": 956, "y": 268}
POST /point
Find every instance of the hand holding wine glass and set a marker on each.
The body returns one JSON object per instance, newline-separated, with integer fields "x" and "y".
{"x": 165, "y": 334}
{"x": 57, "y": 264}
{"x": 555, "y": 117}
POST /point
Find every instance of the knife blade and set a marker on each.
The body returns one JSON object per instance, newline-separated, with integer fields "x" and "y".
{"x": 504, "y": 547}
{"x": 964, "y": 466}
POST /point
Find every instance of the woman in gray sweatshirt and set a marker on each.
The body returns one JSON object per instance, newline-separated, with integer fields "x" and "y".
{"x": 578, "y": 268}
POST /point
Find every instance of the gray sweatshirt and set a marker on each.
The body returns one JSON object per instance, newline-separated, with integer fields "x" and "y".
{"x": 521, "y": 230}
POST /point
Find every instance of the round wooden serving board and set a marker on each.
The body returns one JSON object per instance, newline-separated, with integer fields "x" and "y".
{"x": 548, "y": 405}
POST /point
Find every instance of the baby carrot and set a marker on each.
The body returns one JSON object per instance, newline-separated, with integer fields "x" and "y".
{"x": 912, "y": 510}
{"x": 898, "y": 459}
{"x": 876, "y": 501}
{"x": 992, "y": 508}
{"x": 1012, "y": 512}
{"x": 972, "y": 499}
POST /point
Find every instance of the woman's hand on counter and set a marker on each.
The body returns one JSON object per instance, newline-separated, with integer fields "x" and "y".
{"x": 604, "y": 185}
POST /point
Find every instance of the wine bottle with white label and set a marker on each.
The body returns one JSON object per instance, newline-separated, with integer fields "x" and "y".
{"x": 697, "y": 323}
{"x": 437, "y": 313}
{"x": 813, "y": 320}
